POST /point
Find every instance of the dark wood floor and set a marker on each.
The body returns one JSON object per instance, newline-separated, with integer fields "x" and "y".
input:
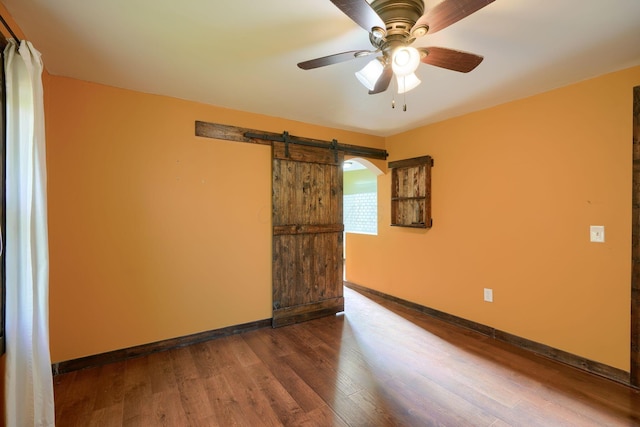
{"x": 377, "y": 365}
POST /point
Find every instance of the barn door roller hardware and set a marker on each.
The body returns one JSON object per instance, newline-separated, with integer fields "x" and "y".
{"x": 334, "y": 145}
{"x": 285, "y": 137}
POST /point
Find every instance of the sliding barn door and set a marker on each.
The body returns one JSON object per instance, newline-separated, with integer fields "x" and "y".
{"x": 307, "y": 233}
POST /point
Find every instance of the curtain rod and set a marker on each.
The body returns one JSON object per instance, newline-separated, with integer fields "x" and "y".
{"x": 16, "y": 38}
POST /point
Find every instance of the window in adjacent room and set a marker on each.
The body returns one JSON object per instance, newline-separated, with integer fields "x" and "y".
{"x": 360, "y": 201}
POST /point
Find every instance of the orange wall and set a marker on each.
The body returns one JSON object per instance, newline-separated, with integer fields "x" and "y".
{"x": 515, "y": 189}
{"x": 155, "y": 233}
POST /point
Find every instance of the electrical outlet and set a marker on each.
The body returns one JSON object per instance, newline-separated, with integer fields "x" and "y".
{"x": 488, "y": 295}
{"x": 596, "y": 233}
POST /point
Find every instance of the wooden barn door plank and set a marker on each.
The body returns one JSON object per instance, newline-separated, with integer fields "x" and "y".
{"x": 307, "y": 233}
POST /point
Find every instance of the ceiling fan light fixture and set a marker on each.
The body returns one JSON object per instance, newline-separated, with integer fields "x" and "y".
{"x": 405, "y": 60}
{"x": 370, "y": 74}
{"x": 407, "y": 83}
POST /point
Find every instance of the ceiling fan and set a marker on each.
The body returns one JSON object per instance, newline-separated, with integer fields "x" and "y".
{"x": 393, "y": 25}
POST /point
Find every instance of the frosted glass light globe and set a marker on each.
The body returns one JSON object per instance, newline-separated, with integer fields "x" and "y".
{"x": 405, "y": 61}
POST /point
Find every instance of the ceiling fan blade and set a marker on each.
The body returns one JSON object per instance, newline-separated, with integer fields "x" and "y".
{"x": 450, "y": 59}
{"x": 361, "y": 13}
{"x": 383, "y": 81}
{"x": 449, "y": 12}
{"x": 333, "y": 59}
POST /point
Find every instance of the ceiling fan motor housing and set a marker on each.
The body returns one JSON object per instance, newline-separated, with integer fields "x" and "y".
{"x": 399, "y": 16}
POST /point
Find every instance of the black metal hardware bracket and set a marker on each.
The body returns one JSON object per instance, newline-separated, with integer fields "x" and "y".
{"x": 334, "y": 145}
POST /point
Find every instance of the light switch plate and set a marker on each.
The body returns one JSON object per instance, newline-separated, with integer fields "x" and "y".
{"x": 488, "y": 295}
{"x": 597, "y": 233}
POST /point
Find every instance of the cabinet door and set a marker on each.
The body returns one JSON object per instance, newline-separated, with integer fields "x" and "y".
{"x": 411, "y": 192}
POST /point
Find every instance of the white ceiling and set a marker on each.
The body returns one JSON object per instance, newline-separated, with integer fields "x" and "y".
{"x": 242, "y": 54}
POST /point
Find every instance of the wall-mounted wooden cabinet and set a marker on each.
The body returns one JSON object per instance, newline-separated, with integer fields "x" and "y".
{"x": 411, "y": 192}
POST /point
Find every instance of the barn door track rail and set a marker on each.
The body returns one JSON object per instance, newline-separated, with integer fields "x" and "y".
{"x": 238, "y": 134}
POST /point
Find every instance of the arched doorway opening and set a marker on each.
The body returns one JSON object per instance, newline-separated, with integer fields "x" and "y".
{"x": 360, "y": 198}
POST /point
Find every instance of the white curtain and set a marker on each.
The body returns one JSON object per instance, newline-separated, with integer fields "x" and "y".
{"x": 28, "y": 382}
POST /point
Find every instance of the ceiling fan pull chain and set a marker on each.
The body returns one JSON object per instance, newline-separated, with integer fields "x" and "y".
{"x": 404, "y": 98}
{"x": 404, "y": 94}
{"x": 393, "y": 95}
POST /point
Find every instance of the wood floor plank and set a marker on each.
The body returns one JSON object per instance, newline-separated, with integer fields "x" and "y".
{"x": 227, "y": 410}
{"x": 323, "y": 417}
{"x": 194, "y": 399}
{"x": 379, "y": 408}
{"x": 184, "y": 366}
{"x": 282, "y": 403}
{"x": 203, "y": 360}
{"x": 378, "y": 364}
{"x": 136, "y": 374}
{"x": 278, "y": 344}
{"x": 242, "y": 352}
{"x": 255, "y": 405}
{"x": 63, "y": 394}
{"x": 137, "y": 410}
{"x": 301, "y": 391}
{"x": 137, "y": 391}
{"x": 332, "y": 386}
{"x": 110, "y": 385}
{"x": 307, "y": 332}
{"x": 309, "y": 361}
{"x": 161, "y": 372}
{"x": 107, "y": 416}
{"x": 167, "y": 410}
{"x": 77, "y": 408}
